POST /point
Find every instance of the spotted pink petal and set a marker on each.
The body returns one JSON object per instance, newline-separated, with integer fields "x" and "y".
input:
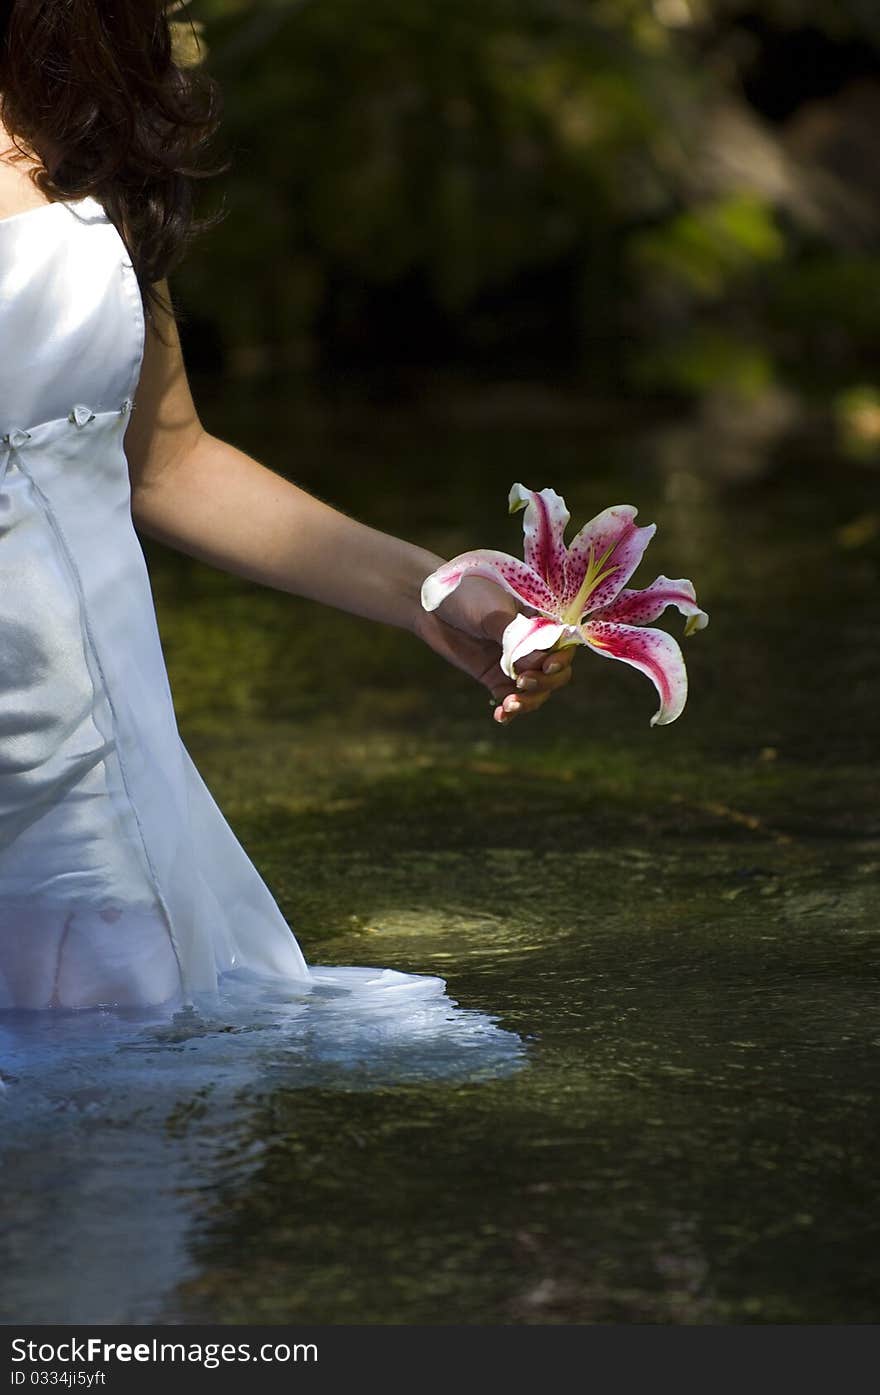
{"x": 526, "y": 633}
{"x": 652, "y": 652}
{"x": 544, "y": 524}
{"x": 515, "y": 576}
{"x": 612, "y": 531}
{"x": 643, "y": 607}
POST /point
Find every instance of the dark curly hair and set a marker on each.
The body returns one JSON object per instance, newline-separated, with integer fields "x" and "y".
{"x": 93, "y": 89}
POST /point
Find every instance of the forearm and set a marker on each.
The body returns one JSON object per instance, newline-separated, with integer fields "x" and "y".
{"x": 220, "y": 505}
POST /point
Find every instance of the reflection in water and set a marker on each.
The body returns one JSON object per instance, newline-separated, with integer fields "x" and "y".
{"x": 115, "y": 1122}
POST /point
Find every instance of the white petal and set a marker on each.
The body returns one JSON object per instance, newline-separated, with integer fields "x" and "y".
{"x": 526, "y": 633}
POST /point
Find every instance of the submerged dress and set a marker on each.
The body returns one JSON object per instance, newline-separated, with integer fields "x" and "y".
{"x": 120, "y": 880}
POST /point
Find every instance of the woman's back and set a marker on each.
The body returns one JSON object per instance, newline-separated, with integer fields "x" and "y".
{"x": 122, "y": 882}
{"x": 70, "y": 314}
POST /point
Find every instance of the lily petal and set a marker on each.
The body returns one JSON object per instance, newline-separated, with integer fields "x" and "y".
{"x": 643, "y": 607}
{"x": 515, "y": 576}
{"x": 602, "y": 558}
{"x": 652, "y": 652}
{"x": 544, "y": 526}
{"x": 526, "y": 633}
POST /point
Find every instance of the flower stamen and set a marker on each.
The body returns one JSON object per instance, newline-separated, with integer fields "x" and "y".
{"x": 593, "y": 577}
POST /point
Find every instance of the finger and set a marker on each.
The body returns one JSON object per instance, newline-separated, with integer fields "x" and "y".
{"x": 533, "y": 684}
{"x": 559, "y": 662}
{"x": 552, "y": 660}
{"x": 539, "y": 682}
{"x": 505, "y": 712}
{"x": 513, "y": 706}
{"x": 521, "y": 703}
{"x": 533, "y": 679}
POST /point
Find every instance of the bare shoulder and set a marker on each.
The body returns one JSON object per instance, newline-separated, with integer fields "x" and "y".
{"x": 165, "y": 425}
{"x": 18, "y": 192}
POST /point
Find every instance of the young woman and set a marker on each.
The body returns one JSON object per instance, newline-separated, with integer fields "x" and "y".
{"x": 120, "y": 880}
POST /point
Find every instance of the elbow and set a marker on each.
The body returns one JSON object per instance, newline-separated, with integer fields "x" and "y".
{"x": 160, "y": 469}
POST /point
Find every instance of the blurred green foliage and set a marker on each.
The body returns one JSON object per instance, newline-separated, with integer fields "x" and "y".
{"x": 532, "y": 188}
{"x": 707, "y": 249}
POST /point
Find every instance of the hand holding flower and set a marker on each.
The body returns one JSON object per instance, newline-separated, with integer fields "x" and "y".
{"x": 467, "y": 629}
{"x": 575, "y": 594}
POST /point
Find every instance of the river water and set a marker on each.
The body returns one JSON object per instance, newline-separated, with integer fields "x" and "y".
{"x": 648, "y": 1089}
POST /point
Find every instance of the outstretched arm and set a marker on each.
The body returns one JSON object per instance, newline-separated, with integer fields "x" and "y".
{"x": 205, "y": 497}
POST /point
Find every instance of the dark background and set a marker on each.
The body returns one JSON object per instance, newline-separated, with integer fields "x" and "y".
{"x": 673, "y": 201}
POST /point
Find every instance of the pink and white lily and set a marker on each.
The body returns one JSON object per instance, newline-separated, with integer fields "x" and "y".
{"x": 576, "y": 594}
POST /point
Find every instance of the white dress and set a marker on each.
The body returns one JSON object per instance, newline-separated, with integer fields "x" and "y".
{"x": 120, "y": 880}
